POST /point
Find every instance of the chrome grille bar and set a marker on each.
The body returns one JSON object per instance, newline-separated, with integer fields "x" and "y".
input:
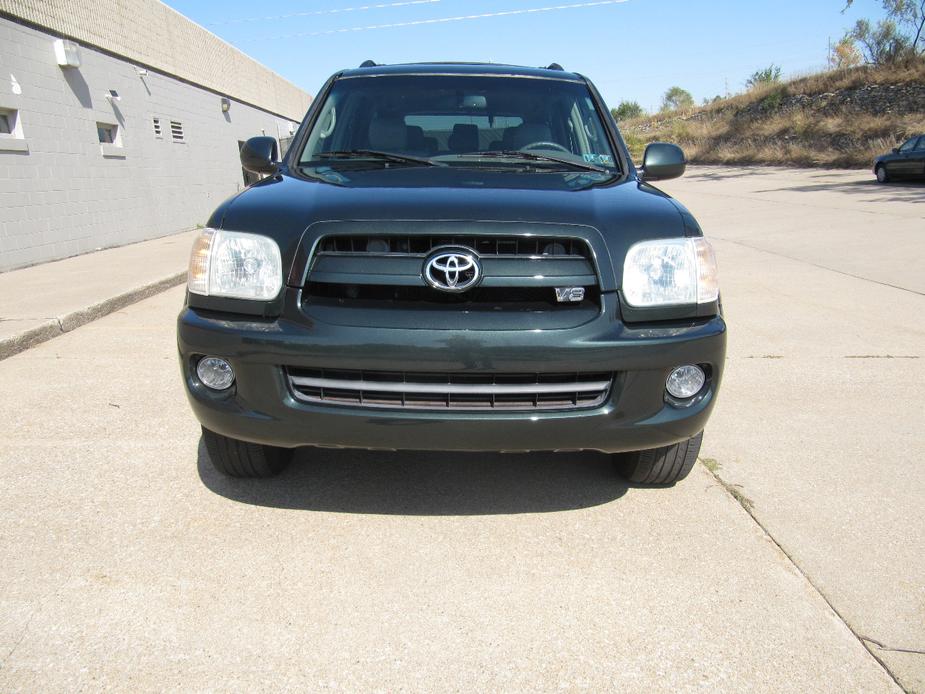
{"x": 461, "y": 388}
{"x": 450, "y": 391}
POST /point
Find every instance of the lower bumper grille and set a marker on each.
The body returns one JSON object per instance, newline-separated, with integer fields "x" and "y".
{"x": 450, "y": 391}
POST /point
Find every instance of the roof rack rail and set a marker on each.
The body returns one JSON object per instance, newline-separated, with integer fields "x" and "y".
{"x": 554, "y": 66}
{"x": 368, "y": 63}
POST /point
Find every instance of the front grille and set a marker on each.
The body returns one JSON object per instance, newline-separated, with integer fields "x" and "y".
{"x": 450, "y": 391}
{"x": 478, "y": 299}
{"x": 546, "y": 246}
{"x": 386, "y": 271}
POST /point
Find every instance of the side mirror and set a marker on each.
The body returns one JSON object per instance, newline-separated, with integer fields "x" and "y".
{"x": 662, "y": 161}
{"x": 896, "y": 150}
{"x": 260, "y": 155}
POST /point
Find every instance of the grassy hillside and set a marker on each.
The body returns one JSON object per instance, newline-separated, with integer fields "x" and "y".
{"x": 836, "y": 119}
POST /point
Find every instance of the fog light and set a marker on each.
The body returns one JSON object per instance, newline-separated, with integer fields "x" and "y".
{"x": 215, "y": 373}
{"x": 685, "y": 381}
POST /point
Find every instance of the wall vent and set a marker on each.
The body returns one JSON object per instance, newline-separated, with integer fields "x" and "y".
{"x": 158, "y": 132}
{"x": 176, "y": 131}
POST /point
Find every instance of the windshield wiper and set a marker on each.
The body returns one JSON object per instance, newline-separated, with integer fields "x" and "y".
{"x": 533, "y": 156}
{"x": 376, "y": 154}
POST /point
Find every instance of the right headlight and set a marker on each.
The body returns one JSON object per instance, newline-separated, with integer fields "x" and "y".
{"x": 670, "y": 272}
{"x": 236, "y": 265}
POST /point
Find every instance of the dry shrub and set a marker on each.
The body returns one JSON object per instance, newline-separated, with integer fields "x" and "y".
{"x": 802, "y": 137}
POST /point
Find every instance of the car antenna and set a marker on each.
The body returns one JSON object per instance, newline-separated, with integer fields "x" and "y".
{"x": 555, "y": 66}
{"x": 368, "y": 63}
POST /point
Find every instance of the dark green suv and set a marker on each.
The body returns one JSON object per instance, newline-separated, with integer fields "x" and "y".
{"x": 454, "y": 257}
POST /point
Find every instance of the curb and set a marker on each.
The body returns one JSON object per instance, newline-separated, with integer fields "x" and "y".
{"x": 55, "y": 327}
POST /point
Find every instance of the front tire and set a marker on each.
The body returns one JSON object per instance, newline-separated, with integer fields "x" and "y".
{"x": 662, "y": 466}
{"x": 235, "y": 458}
{"x": 882, "y": 175}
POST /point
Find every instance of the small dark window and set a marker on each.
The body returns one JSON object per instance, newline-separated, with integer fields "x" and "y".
{"x": 6, "y": 123}
{"x": 106, "y": 132}
{"x": 157, "y": 128}
{"x": 176, "y": 131}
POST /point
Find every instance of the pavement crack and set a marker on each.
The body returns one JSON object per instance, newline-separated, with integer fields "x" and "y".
{"x": 713, "y": 467}
{"x": 881, "y": 356}
{"x": 22, "y": 635}
{"x": 883, "y": 647}
{"x": 734, "y": 490}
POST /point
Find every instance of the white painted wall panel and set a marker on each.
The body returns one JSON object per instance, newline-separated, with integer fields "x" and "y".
{"x": 150, "y": 32}
{"x": 63, "y": 196}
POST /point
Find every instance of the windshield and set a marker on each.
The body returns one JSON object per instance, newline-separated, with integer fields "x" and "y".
{"x": 455, "y": 119}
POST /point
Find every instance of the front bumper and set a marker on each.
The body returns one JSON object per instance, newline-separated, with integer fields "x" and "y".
{"x": 260, "y": 407}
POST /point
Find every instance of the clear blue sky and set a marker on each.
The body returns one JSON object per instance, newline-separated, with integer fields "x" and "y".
{"x": 632, "y": 49}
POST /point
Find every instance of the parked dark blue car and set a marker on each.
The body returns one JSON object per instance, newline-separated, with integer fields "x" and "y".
{"x": 905, "y": 161}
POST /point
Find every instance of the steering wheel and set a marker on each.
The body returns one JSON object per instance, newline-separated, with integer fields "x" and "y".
{"x": 545, "y": 145}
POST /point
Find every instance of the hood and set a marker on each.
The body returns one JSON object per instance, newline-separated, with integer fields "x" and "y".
{"x": 624, "y": 210}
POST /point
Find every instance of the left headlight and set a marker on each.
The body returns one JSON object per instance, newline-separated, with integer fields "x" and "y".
{"x": 670, "y": 272}
{"x": 235, "y": 265}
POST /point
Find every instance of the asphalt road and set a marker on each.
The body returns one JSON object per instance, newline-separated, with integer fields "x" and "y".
{"x": 126, "y": 563}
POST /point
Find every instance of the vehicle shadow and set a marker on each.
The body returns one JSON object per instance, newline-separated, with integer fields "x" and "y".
{"x": 894, "y": 191}
{"x": 901, "y": 190}
{"x": 420, "y": 483}
{"x": 718, "y": 172}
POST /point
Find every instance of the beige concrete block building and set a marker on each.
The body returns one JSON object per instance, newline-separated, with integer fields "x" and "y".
{"x": 120, "y": 121}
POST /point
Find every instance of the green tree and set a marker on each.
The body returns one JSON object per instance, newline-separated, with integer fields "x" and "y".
{"x": 627, "y": 110}
{"x": 677, "y": 99}
{"x": 898, "y": 37}
{"x": 881, "y": 44}
{"x": 760, "y": 78}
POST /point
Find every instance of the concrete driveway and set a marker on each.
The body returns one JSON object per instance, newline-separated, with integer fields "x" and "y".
{"x": 822, "y": 420}
{"x": 126, "y": 563}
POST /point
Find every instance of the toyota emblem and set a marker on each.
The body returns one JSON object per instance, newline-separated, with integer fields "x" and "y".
{"x": 452, "y": 269}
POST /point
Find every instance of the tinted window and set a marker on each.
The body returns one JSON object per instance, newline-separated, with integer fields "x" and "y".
{"x": 106, "y": 133}
{"x": 909, "y": 145}
{"x": 445, "y": 116}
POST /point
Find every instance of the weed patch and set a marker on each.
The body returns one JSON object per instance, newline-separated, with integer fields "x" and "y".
{"x": 735, "y": 490}
{"x": 802, "y": 123}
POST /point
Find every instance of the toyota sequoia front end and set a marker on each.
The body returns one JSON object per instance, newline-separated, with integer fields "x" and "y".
{"x": 454, "y": 257}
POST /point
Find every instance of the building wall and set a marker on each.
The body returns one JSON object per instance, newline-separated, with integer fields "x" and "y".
{"x": 149, "y": 33}
{"x": 62, "y": 192}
